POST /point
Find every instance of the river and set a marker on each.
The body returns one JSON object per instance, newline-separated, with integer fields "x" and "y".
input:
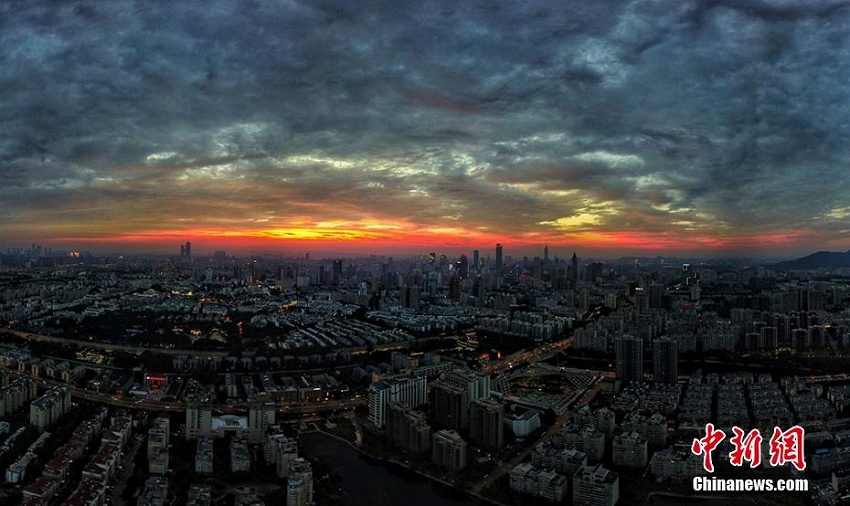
{"x": 365, "y": 482}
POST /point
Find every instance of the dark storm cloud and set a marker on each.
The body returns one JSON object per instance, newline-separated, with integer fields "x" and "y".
{"x": 719, "y": 115}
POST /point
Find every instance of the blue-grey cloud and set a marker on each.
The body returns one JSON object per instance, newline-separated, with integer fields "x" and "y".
{"x": 653, "y": 115}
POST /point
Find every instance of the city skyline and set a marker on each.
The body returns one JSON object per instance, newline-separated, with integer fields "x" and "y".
{"x": 611, "y": 129}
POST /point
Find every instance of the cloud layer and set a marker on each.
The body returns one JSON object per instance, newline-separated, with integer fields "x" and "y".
{"x": 642, "y": 124}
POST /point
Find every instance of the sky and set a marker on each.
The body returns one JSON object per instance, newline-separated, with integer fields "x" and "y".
{"x": 606, "y": 127}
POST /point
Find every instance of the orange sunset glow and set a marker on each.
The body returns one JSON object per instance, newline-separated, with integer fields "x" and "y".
{"x": 403, "y": 238}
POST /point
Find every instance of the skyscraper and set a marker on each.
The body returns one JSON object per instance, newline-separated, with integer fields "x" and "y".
{"x": 463, "y": 266}
{"x": 574, "y": 267}
{"x": 546, "y": 254}
{"x": 410, "y": 296}
{"x": 454, "y": 287}
{"x": 449, "y": 404}
{"x": 499, "y": 264}
{"x": 486, "y": 420}
{"x": 665, "y": 360}
{"x": 336, "y": 272}
{"x": 657, "y": 293}
{"x": 188, "y": 250}
{"x": 628, "y": 351}
{"x": 476, "y": 256}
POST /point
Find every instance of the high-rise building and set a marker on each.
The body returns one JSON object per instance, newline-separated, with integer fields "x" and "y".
{"x": 408, "y": 428}
{"x": 296, "y": 492}
{"x": 259, "y": 419}
{"x": 665, "y": 360}
{"x": 240, "y": 456}
{"x": 657, "y": 294}
{"x": 188, "y": 250}
{"x": 476, "y": 258}
{"x": 281, "y": 451}
{"x": 286, "y": 455}
{"x": 432, "y": 281}
{"x": 523, "y": 423}
{"x": 410, "y": 391}
{"x": 800, "y": 339}
{"x": 50, "y": 407}
{"x": 410, "y": 297}
{"x": 546, "y": 254}
{"x": 641, "y": 300}
{"x": 486, "y": 423}
{"x": 574, "y": 267}
{"x": 499, "y": 265}
{"x": 198, "y": 422}
{"x": 449, "y": 404}
{"x": 448, "y": 450}
{"x": 336, "y": 272}
{"x": 769, "y": 338}
{"x": 204, "y": 460}
{"x": 300, "y": 483}
{"x": 463, "y": 267}
{"x": 476, "y": 385}
{"x": 628, "y": 353}
{"x": 454, "y": 287}
{"x": 379, "y": 398}
{"x": 453, "y": 393}
{"x": 15, "y": 395}
{"x": 158, "y": 445}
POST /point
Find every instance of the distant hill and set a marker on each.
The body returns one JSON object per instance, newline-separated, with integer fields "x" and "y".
{"x": 819, "y": 260}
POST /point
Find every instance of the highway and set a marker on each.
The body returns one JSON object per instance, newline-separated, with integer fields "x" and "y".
{"x": 174, "y": 351}
{"x": 113, "y": 347}
{"x": 538, "y": 354}
{"x": 295, "y": 408}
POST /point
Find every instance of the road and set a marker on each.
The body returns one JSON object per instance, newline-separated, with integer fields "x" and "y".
{"x": 295, "y": 408}
{"x": 178, "y": 351}
{"x": 538, "y": 354}
{"x": 113, "y": 347}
